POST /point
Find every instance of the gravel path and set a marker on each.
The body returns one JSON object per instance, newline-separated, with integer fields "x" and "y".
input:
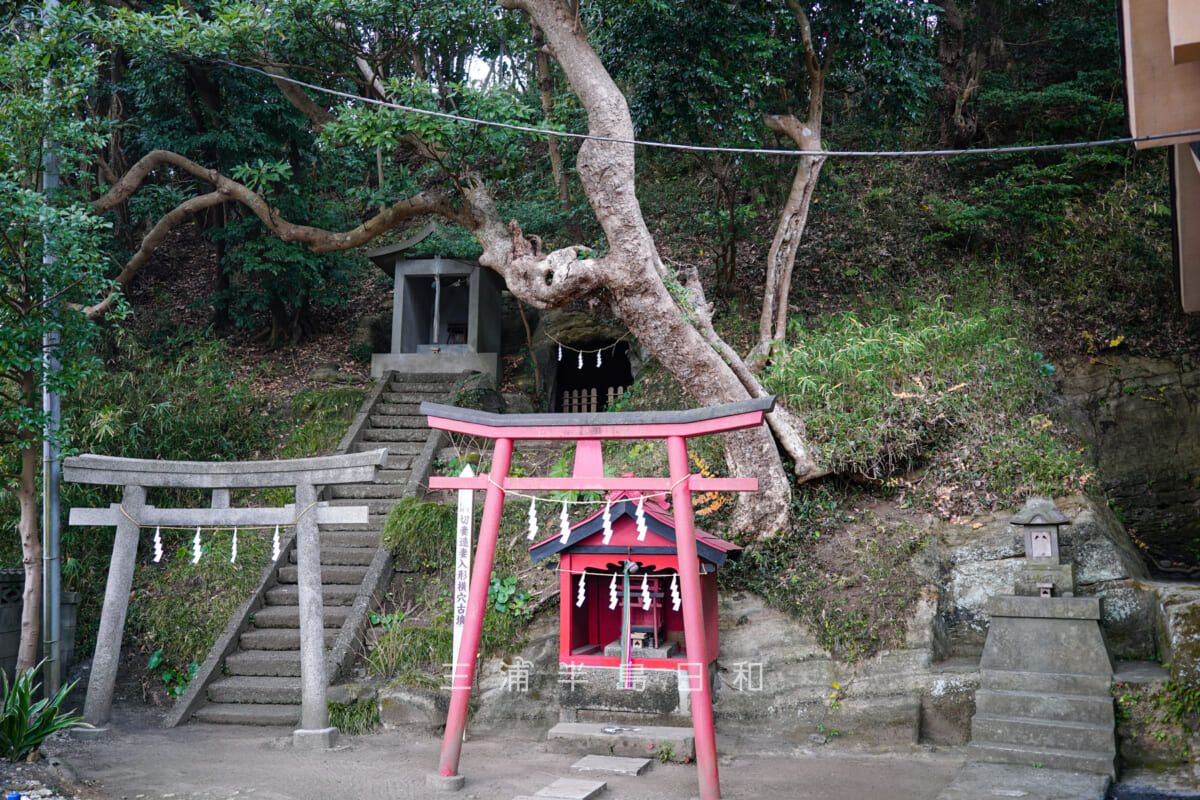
{"x": 138, "y": 760}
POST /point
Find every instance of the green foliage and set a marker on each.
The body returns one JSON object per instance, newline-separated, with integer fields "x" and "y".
{"x": 176, "y": 680}
{"x": 388, "y": 621}
{"x": 421, "y": 534}
{"x": 504, "y": 597}
{"x": 52, "y": 246}
{"x": 1157, "y": 722}
{"x": 180, "y": 402}
{"x": 320, "y": 418}
{"x": 411, "y": 649}
{"x": 26, "y": 722}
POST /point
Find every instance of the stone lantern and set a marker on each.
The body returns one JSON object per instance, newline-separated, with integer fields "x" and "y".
{"x": 1044, "y": 573}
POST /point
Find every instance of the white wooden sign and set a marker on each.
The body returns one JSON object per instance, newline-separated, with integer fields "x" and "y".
{"x": 462, "y": 561}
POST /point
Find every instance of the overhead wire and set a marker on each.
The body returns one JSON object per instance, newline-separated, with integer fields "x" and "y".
{"x": 754, "y": 151}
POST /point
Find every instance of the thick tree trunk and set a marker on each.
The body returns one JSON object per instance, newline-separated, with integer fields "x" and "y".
{"x": 772, "y": 328}
{"x": 633, "y": 272}
{"x": 31, "y": 551}
{"x": 781, "y": 258}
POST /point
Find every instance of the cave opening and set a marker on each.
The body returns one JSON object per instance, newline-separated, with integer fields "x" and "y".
{"x": 589, "y": 376}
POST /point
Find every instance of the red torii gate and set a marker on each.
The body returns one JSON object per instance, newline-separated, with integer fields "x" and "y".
{"x": 589, "y": 431}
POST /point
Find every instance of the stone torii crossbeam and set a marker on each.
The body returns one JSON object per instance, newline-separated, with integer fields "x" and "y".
{"x": 133, "y": 513}
{"x": 589, "y": 432}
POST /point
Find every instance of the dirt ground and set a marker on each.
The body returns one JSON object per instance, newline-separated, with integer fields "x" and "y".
{"x": 140, "y": 760}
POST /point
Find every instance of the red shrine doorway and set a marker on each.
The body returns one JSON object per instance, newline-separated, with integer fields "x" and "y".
{"x": 589, "y": 432}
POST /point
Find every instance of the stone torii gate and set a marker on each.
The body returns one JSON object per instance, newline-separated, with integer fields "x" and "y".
{"x": 133, "y": 513}
{"x": 589, "y": 432}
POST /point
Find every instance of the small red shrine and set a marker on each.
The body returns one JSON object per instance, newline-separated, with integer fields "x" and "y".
{"x": 604, "y": 571}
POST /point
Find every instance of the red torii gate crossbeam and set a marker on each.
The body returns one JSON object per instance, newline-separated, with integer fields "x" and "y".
{"x": 589, "y": 431}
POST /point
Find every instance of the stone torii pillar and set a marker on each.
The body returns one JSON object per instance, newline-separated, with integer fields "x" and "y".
{"x": 133, "y": 513}
{"x": 589, "y": 432}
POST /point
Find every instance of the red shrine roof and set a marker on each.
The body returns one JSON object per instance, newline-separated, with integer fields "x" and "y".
{"x": 659, "y": 521}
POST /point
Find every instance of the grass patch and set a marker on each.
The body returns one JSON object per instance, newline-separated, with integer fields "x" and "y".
{"x": 416, "y": 650}
{"x": 180, "y": 608}
{"x": 420, "y": 534}
{"x": 355, "y": 719}
{"x": 321, "y": 418}
{"x": 884, "y": 392}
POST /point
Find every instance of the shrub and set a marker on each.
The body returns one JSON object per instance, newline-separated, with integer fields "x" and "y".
{"x": 24, "y": 722}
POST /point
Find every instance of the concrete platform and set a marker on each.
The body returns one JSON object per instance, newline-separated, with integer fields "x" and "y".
{"x": 614, "y": 765}
{"x": 638, "y": 741}
{"x": 572, "y": 789}
{"x": 977, "y": 781}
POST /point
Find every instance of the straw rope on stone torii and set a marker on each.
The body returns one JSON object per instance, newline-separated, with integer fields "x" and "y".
{"x": 589, "y": 431}
{"x": 133, "y": 514}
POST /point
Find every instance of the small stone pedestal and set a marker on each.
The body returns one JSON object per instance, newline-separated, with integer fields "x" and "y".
{"x": 318, "y": 739}
{"x": 1044, "y": 687}
{"x": 444, "y": 783}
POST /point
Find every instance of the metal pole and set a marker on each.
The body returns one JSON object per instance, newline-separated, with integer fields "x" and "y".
{"x": 693, "y": 620}
{"x": 51, "y": 463}
{"x": 464, "y": 671}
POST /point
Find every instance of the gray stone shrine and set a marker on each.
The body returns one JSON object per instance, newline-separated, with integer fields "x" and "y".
{"x": 1045, "y": 673}
{"x": 446, "y": 314}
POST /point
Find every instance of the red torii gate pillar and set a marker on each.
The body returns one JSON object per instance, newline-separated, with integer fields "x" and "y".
{"x": 589, "y": 431}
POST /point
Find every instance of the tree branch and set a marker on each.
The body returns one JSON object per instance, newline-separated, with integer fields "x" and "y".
{"x": 318, "y": 115}
{"x": 149, "y": 243}
{"x": 318, "y": 240}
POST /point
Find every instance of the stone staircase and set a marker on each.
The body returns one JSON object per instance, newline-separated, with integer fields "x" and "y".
{"x": 258, "y": 683}
{"x": 1057, "y": 721}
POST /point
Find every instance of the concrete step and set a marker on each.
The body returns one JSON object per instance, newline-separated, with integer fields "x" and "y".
{"x": 340, "y": 556}
{"x": 397, "y": 415}
{"x": 1075, "y": 708}
{"x": 364, "y": 491}
{"x": 598, "y": 738}
{"x": 255, "y": 689}
{"x": 373, "y": 525}
{"x": 393, "y": 448}
{"x": 612, "y": 765}
{"x": 432, "y": 384}
{"x": 278, "y": 639}
{"x": 349, "y": 539}
{"x": 412, "y": 430}
{"x": 332, "y": 594}
{"x": 409, "y": 378}
{"x": 1052, "y": 758}
{"x": 1075, "y": 736}
{"x": 572, "y": 789}
{"x": 980, "y": 781}
{"x": 329, "y": 574}
{"x": 278, "y": 663}
{"x": 1046, "y": 682}
{"x": 381, "y": 506}
{"x": 397, "y": 472}
{"x": 249, "y": 714}
{"x": 399, "y": 394}
{"x": 289, "y": 616}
